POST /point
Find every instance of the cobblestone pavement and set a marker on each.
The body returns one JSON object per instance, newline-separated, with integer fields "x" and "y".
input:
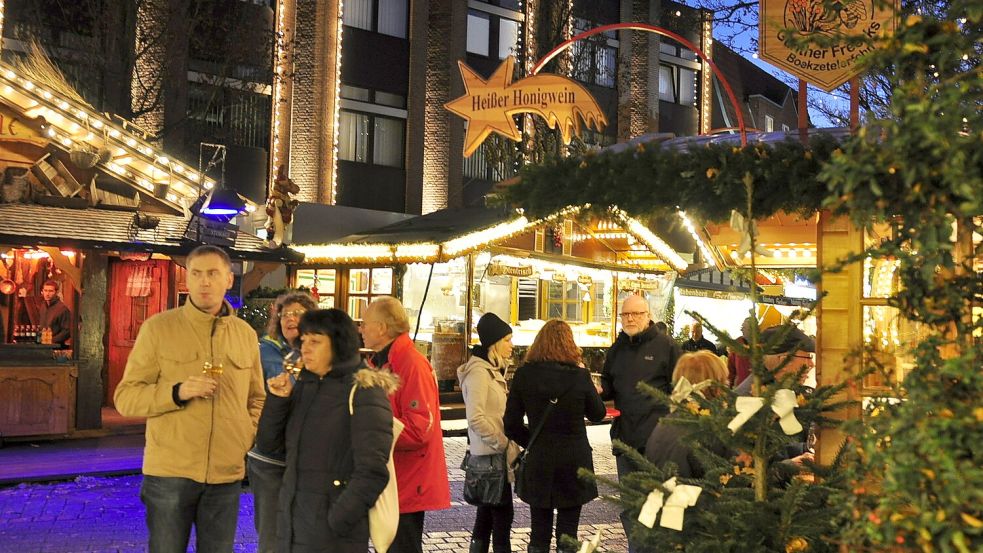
{"x": 102, "y": 515}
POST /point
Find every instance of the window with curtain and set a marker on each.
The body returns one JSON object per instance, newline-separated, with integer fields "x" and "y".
{"x": 508, "y": 38}
{"x": 353, "y": 136}
{"x": 392, "y": 17}
{"x": 358, "y": 13}
{"x": 594, "y": 59}
{"x": 667, "y": 83}
{"x": 370, "y": 138}
{"x": 387, "y": 145}
{"x": 388, "y": 17}
{"x": 479, "y": 25}
{"x": 687, "y": 86}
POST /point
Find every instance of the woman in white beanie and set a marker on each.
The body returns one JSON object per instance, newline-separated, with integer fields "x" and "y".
{"x": 482, "y": 381}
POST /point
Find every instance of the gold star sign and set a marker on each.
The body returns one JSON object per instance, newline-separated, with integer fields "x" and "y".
{"x": 490, "y": 105}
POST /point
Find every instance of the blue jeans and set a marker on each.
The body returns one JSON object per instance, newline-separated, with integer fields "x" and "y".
{"x": 265, "y": 480}
{"x": 174, "y": 504}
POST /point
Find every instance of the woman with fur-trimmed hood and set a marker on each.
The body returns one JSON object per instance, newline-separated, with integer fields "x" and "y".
{"x": 336, "y": 459}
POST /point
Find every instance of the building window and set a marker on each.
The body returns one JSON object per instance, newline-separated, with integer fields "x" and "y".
{"x": 362, "y": 133}
{"x": 488, "y": 33}
{"x": 364, "y": 285}
{"x": 678, "y": 84}
{"x": 785, "y": 128}
{"x": 324, "y": 279}
{"x": 564, "y": 300}
{"x": 595, "y": 58}
{"x": 478, "y": 33}
{"x": 485, "y": 166}
{"x": 769, "y": 123}
{"x": 387, "y": 17}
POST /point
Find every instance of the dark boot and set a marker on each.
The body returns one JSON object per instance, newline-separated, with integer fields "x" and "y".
{"x": 478, "y": 546}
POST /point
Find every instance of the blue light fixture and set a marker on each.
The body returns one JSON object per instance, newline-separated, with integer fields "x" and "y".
{"x": 222, "y": 201}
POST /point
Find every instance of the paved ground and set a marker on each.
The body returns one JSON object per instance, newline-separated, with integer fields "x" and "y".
{"x": 104, "y": 514}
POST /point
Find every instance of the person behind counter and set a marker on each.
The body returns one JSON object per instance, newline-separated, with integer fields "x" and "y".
{"x": 54, "y": 314}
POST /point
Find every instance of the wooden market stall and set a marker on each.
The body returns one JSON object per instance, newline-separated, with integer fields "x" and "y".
{"x": 451, "y": 266}
{"x": 87, "y": 202}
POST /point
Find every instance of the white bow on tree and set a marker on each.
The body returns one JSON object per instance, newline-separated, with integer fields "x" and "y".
{"x": 590, "y": 546}
{"x": 684, "y": 389}
{"x": 673, "y": 508}
{"x": 746, "y": 229}
{"x": 783, "y": 404}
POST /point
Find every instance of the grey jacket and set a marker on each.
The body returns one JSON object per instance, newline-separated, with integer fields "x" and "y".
{"x": 484, "y": 390}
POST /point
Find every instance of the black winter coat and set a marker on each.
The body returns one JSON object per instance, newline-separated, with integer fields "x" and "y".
{"x": 551, "y": 465}
{"x": 648, "y": 357}
{"x": 336, "y": 462}
{"x": 666, "y": 445}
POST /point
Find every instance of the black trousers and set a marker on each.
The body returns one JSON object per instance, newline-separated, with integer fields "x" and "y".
{"x": 495, "y": 523}
{"x": 409, "y": 533}
{"x": 567, "y": 521}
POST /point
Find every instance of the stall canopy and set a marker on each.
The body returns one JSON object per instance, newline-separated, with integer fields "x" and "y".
{"x": 790, "y": 240}
{"x": 34, "y": 225}
{"x": 618, "y": 240}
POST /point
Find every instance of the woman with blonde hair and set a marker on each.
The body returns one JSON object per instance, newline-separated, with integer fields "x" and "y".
{"x": 555, "y": 391}
{"x": 666, "y": 443}
{"x": 483, "y": 385}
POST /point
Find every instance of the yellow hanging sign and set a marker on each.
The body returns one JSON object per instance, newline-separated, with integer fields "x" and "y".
{"x": 489, "y": 105}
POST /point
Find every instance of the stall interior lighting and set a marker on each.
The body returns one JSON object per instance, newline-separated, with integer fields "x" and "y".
{"x": 647, "y": 237}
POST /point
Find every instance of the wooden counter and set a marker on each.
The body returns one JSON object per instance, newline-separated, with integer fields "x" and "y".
{"x": 37, "y": 399}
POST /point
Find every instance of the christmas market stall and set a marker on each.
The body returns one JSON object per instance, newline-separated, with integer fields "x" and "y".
{"x": 451, "y": 266}
{"x": 94, "y": 226}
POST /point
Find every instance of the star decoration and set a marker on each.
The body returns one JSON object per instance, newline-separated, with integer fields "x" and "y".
{"x": 499, "y": 120}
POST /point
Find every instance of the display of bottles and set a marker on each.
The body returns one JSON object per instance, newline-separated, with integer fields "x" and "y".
{"x": 31, "y": 334}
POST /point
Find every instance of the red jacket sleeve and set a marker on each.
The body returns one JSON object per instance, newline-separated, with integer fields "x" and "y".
{"x": 416, "y": 404}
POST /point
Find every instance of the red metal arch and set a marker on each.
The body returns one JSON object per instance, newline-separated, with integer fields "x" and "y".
{"x": 659, "y": 31}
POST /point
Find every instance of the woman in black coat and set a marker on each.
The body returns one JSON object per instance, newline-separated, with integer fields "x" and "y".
{"x": 336, "y": 460}
{"x": 553, "y": 374}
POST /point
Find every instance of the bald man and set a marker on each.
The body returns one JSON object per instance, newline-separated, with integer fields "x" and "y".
{"x": 640, "y": 354}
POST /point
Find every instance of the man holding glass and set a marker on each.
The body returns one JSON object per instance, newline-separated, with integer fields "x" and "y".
{"x": 195, "y": 373}
{"x": 640, "y": 354}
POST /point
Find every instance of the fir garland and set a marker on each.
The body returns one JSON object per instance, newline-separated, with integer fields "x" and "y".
{"x": 705, "y": 181}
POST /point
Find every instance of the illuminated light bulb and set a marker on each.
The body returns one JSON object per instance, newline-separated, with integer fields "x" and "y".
{"x": 10, "y": 74}
{"x": 172, "y": 197}
{"x": 82, "y": 114}
{"x": 90, "y": 136}
{"x": 63, "y": 104}
{"x": 178, "y": 169}
{"x": 46, "y": 94}
{"x": 131, "y": 142}
{"x": 8, "y": 89}
{"x": 97, "y": 123}
{"x": 193, "y": 177}
{"x": 51, "y": 132}
{"x": 208, "y": 185}
{"x": 113, "y": 133}
{"x": 29, "y": 85}
{"x": 250, "y": 208}
{"x": 66, "y": 141}
{"x": 146, "y": 184}
{"x": 162, "y": 160}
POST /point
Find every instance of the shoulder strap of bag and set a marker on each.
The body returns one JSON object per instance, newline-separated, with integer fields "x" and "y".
{"x": 546, "y": 415}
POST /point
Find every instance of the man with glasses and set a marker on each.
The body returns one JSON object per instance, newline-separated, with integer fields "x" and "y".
{"x": 640, "y": 354}
{"x": 791, "y": 355}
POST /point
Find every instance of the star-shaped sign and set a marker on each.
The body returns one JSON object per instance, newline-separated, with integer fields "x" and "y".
{"x": 480, "y": 92}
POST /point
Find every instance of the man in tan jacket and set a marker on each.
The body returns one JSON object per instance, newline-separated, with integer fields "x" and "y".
{"x": 195, "y": 373}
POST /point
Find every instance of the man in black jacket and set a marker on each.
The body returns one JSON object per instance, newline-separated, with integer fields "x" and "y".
{"x": 54, "y": 314}
{"x": 639, "y": 354}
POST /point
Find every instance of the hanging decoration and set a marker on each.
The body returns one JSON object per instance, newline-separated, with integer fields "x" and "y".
{"x": 490, "y": 105}
{"x": 783, "y": 404}
{"x": 748, "y": 230}
{"x": 684, "y": 389}
{"x": 314, "y": 291}
{"x": 280, "y": 206}
{"x": 673, "y": 508}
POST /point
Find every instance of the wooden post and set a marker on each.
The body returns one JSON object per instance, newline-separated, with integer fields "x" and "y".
{"x": 839, "y": 322}
{"x": 854, "y": 104}
{"x": 803, "y": 112}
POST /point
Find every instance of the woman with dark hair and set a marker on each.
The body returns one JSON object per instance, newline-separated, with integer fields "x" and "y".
{"x": 265, "y": 468}
{"x": 336, "y": 456}
{"x": 555, "y": 391}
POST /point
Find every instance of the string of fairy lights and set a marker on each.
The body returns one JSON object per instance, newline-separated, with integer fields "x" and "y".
{"x": 431, "y": 252}
{"x": 72, "y": 125}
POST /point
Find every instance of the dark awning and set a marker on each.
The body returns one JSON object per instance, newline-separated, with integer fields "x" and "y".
{"x": 37, "y": 225}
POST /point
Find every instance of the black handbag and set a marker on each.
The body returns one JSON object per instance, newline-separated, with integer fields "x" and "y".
{"x": 485, "y": 478}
